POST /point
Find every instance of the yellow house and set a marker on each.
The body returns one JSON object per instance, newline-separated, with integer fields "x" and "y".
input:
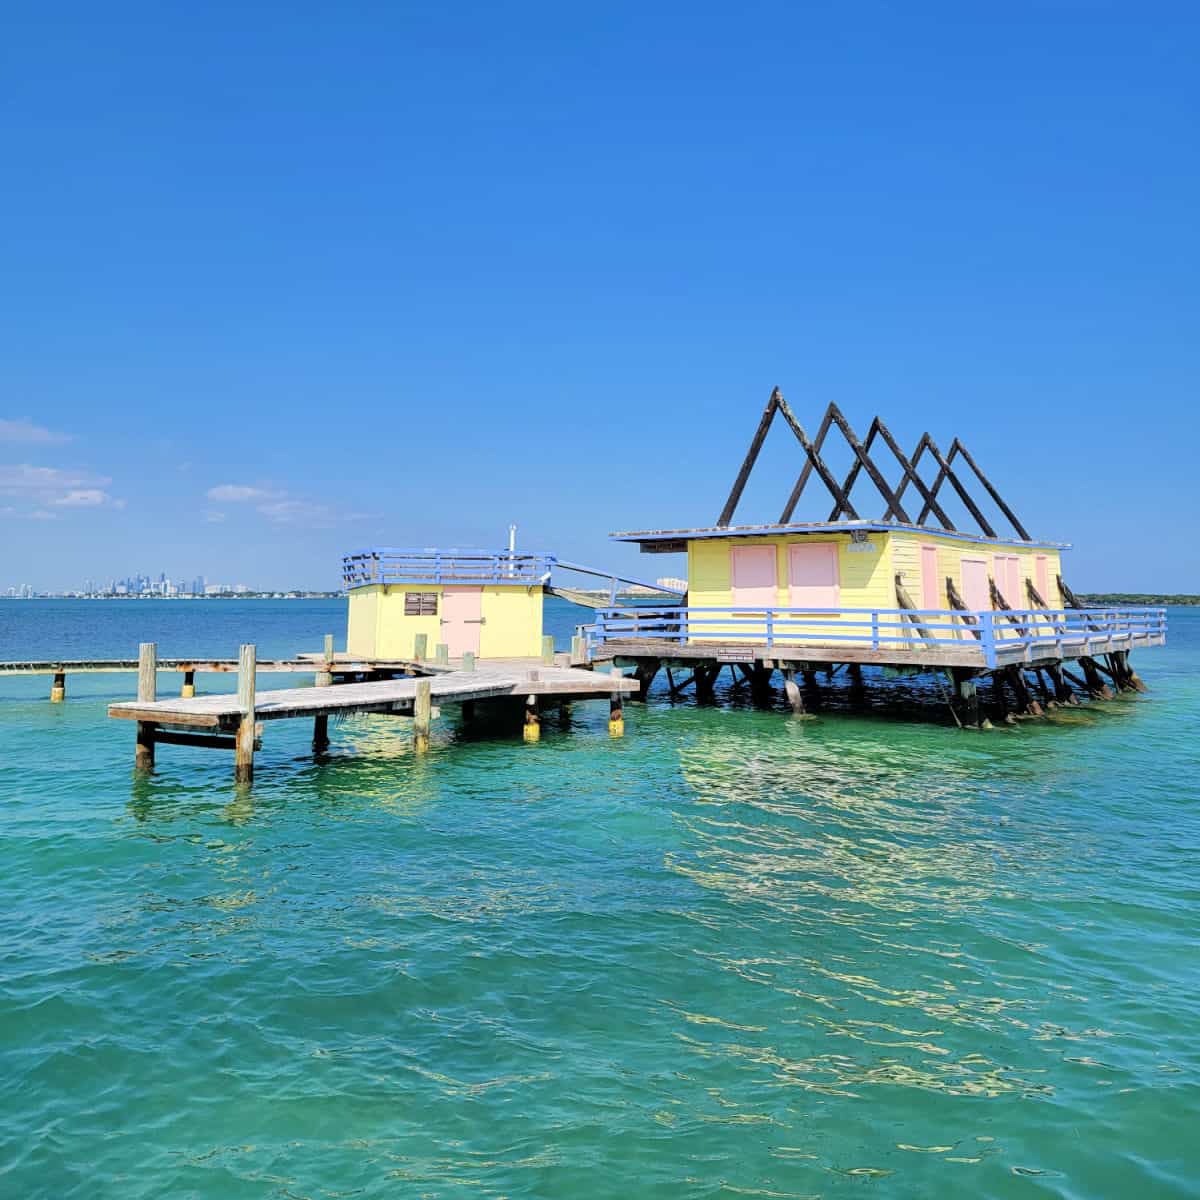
{"x": 834, "y": 577}
{"x": 405, "y": 603}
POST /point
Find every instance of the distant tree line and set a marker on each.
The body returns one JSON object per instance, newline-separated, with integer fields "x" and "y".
{"x": 1101, "y": 599}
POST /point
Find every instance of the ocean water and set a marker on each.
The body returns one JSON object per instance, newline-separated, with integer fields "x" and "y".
{"x": 731, "y": 954}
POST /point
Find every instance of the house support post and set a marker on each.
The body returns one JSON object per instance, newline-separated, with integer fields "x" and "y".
{"x": 1097, "y": 688}
{"x": 645, "y": 673}
{"x": 1062, "y": 689}
{"x": 966, "y": 697}
{"x": 791, "y": 689}
{"x": 1026, "y": 704}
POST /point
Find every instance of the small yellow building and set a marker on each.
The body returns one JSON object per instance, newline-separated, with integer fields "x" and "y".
{"x": 404, "y": 603}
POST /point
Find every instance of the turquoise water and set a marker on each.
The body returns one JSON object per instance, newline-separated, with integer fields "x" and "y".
{"x": 731, "y": 954}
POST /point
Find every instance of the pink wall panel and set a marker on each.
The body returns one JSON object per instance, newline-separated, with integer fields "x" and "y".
{"x": 813, "y": 575}
{"x": 754, "y": 576}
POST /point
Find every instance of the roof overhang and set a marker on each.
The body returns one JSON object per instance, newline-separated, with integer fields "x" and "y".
{"x": 669, "y": 541}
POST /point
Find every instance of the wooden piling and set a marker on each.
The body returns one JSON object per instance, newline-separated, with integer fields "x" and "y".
{"x": 324, "y": 678}
{"x": 420, "y": 646}
{"x": 645, "y": 672}
{"x": 791, "y": 690}
{"x": 467, "y": 708}
{"x": 58, "y": 689}
{"x": 188, "y": 690}
{"x": 325, "y": 674}
{"x": 616, "y": 716}
{"x": 143, "y": 759}
{"x": 548, "y": 650}
{"x": 468, "y": 660}
{"x": 243, "y": 754}
{"x": 1062, "y": 689}
{"x": 441, "y": 653}
{"x": 578, "y": 648}
{"x": 533, "y": 720}
{"x": 422, "y": 716}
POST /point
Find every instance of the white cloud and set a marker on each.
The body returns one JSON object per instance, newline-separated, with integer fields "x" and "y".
{"x": 277, "y": 505}
{"x": 22, "y": 477}
{"x": 22, "y": 429}
{"x": 44, "y": 488}
{"x": 82, "y": 498}
{"x": 40, "y": 514}
{"x": 235, "y": 492}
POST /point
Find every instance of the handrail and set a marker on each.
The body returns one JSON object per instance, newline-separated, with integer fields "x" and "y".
{"x": 879, "y": 628}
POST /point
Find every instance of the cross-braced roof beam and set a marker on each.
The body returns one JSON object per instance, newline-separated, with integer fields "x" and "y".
{"x": 946, "y": 471}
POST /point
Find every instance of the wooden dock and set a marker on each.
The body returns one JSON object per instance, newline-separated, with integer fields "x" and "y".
{"x": 235, "y": 721}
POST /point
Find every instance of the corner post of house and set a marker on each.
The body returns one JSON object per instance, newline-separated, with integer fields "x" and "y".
{"x": 243, "y": 752}
{"x": 147, "y": 693}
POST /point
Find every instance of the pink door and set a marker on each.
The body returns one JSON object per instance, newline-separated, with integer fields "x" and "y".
{"x": 755, "y": 581}
{"x": 461, "y": 609}
{"x": 930, "y": 588}
{"x": 813, "y": 575}
{"x": 976, "y": 595}
{"x": 1041, "y": 577}
{"x": 1006, "y": 570}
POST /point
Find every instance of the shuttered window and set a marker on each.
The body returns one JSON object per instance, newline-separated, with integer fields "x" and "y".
{"x": 420, "y": 604}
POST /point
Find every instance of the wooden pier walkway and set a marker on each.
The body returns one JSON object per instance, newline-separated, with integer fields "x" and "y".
{"x": 235, "y": 721}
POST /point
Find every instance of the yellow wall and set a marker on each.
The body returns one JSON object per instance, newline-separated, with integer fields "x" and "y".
{"x": 378, "y": 628}
{"x": 512, "y": 625}
{"x": 906, "y": 558}
{"x": 867, "y": 580}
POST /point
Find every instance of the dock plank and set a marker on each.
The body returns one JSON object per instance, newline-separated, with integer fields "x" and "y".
{"x": 387, "y": 696}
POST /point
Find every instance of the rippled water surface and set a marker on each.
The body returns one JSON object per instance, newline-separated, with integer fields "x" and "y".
{"x": 731, "y": 954}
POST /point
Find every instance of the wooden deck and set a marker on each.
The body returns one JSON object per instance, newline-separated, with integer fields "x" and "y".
{"x": 448, "y": 684}
{"x": 967, "y": 653}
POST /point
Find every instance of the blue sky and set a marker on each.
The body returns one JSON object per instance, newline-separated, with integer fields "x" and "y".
{"x": 282, "y": 281}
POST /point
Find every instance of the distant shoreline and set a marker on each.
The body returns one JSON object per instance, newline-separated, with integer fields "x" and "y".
{"x": 185, "y": 599}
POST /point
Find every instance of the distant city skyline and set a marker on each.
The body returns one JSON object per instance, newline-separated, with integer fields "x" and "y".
{"x": 292, "y": 295}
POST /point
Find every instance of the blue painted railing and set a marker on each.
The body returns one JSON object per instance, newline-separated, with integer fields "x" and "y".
{"x": 879, "y": 628}
{"x": 432, "y": 566}
{"x": 386, "y": 565}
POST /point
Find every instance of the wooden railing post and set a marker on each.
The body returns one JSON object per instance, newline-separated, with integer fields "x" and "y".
{"x": 548, "y": 650}
{"x": 243, "y": 753}
{"x": 147, "y": 693}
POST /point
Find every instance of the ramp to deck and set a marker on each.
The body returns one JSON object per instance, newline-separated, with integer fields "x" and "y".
{"x": 447, "y": 686}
